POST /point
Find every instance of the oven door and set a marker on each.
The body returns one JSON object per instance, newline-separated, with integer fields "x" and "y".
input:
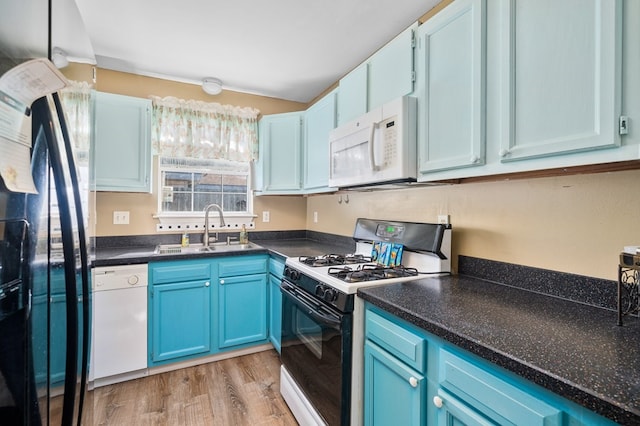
{"x": 316, "y": 351}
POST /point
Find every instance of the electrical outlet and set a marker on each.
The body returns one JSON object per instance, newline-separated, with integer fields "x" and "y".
{"x": 443, "y": 218}
{"x": 120, "y": 217}
{"x": 266, "y": 217}
{"x": 315, "y": 217}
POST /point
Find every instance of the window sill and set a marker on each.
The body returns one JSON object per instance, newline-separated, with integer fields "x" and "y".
{"x": 194, "y": 222}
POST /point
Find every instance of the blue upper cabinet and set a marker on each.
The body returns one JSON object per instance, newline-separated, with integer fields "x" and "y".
{"x": 353, "y": 101}
{"x": 560, "y": 77}
{"x": 391, "y": 73}
{"x": 122, "y": 143}
{"x": 450, "y": 65}
{"x": 386, "y": 75}
{"x": 281, "y": 153}
{"x": 320, "y": 120}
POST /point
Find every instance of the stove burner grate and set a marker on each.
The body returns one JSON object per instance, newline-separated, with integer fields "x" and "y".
{"x": 371, "y": 273}
{"x": 334, "y": 259}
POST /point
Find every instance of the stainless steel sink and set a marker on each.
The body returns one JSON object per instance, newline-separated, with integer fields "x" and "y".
{"x": 199, "y": 248}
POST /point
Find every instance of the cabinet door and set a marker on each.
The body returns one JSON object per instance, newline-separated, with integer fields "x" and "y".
{"x": 488, "y": 394}
{"x": 393, "y": 392}
{"x": 391, "y": 70}
{"x": 451, "y": 88}
{"x": 452, "y": 411}
{"x": 386, "y": 75}
{"x": 181, "y": 320}
{"x": 352, "y": 97}
{"x": 320, "y": 119}
{"x": 275, "y": 312}
{"x": 242, "y": 306}
{"x": 122, "y": 143}
{"x": 560, "y": 76}
{"x": 280, "y": 135}
{"x": 49, "y": 351}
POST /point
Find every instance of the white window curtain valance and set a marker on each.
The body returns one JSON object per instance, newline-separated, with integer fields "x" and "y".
{"x": 196, "y": 129}
{"x": 76, "y": 103}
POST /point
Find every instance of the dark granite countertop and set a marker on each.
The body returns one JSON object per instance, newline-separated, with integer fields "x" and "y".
{"x": 572, "y": 349}
{"x": 128, "y": 255}
{"x": 142, "y": 254}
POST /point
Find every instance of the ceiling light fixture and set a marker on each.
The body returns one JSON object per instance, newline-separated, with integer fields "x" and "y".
{"x": 59, "y": 58}
{"x": 212, "y": 86}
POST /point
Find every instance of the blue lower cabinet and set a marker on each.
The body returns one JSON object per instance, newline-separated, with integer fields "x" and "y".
{"x": 49, "y": 313}
{"x": 200, "y": 307}
{"x": 181, "y": 320}
{"x": 455, "y": 388}
{"x": 452, "y": 411}
{"x": 242, "y": 310}
{"x": 489, "y": 395}
{"x": 58, "y": 338}
{"x": 275, "y": 312}
{"x": 276, "y": 270}
{"x": 393, "y": 392}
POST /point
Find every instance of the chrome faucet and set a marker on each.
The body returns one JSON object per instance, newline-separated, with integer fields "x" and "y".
{"x": 205, "y": 237}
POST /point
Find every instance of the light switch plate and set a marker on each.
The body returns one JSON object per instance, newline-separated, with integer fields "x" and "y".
{"x": 266, "y": 217}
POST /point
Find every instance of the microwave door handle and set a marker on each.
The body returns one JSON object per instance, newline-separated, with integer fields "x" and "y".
{"x": 372, "y": 138}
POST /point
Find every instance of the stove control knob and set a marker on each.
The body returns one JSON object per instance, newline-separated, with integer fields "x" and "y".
{"x": 291, "y": 273}
{"x": 320, "y": 290}
{"x": 329, "y": 295}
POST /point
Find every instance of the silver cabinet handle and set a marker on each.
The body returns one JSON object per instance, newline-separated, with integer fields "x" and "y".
{"x": 221, "y": 282}
{"x": 413, "y": 381}
{"x": 207, "y": 284}
{"x": 437, "y": 401}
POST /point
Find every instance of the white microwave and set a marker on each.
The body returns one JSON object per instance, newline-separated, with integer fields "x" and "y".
{"x": 376, "y": 148}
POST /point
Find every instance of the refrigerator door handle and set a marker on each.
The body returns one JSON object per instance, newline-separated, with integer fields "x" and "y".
{"x": 84, "y": 259}
{"x": 41, "y": 106}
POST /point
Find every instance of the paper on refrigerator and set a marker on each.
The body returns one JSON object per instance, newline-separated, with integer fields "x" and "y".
{"x": 19, "y": 87}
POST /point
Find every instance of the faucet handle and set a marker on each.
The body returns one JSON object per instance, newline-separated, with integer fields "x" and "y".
{"x": 206, "y": 239}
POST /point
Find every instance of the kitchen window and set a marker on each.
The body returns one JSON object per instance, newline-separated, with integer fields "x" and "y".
{"x": 205, "y": 153}
{"x": 189, "y": 186}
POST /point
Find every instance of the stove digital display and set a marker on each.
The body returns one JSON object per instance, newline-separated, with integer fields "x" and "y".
{"x": 389, "y": 231}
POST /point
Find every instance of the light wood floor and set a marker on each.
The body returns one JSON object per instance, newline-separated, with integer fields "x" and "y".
{"x": 238, "y": 391}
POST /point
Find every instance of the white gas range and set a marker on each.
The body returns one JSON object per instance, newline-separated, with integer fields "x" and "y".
{"x": 322, "y": 319}
{"x": 347, "y": 273}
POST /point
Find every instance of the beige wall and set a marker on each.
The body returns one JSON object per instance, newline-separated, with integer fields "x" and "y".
{"x": 143, "y": 87}
{"x": 577, "y": 224}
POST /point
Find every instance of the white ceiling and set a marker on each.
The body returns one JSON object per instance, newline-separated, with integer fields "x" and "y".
{"x": 287, "y": 49}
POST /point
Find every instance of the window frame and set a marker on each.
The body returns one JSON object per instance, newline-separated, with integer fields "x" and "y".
{"x": 194, "y": 220}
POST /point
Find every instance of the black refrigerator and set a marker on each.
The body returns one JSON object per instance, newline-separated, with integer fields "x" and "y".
{"x": 45, "y": 298}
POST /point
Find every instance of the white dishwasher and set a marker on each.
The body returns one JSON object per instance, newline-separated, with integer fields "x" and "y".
{"x": 119, "y": 323}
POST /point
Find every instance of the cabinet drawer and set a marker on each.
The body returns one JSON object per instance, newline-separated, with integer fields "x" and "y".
{"x": 403, "y": 344}
{"x": 276, "y": 267}
{"x": 242, "y": 266}
{"x": 163, "y": 273}
{"x": 491, "y": 395}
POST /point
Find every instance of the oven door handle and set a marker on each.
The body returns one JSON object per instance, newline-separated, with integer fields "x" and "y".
{"x": 314, "y": 310}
